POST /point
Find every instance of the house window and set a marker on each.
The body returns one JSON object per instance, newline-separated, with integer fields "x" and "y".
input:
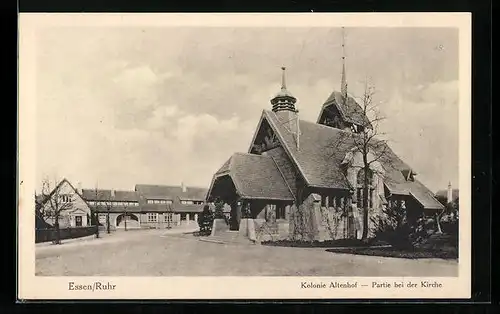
{"x": 168, "y": 217}
{"x": 66, "y": 198}
{"x": 78, "y": 221}
{"x": 152, "y": 217}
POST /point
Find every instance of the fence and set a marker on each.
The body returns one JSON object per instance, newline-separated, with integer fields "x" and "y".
{"x": 46, "y": 235}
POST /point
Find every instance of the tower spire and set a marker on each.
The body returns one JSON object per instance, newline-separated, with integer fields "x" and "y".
{"x": 283, "y": 82}
{"x": 343, "y": 87}
{"x": 283, "y": 101}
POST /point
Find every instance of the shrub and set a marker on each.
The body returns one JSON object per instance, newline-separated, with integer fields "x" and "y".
{"x": 219, "y": 209}
{"x": 205, "y": 221}
{"x": 393, "y": 227}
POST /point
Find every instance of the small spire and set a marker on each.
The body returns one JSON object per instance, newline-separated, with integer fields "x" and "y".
{"x": 283, "y": 82}
{"x": 343, "y": 87}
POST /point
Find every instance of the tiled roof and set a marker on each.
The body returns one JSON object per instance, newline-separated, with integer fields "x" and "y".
{"x": 105, "y": 195}
{"x": 322, "y": 150}
{"x": 170, "y": 192}
{"x": 255, "y": 177}
{"x": 116, "y": 209}
{"x": 350, "y": 110}
{"x": 316, "y": 155}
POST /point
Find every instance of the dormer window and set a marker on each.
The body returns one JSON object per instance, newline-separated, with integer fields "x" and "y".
{"x": 408, "y": 174}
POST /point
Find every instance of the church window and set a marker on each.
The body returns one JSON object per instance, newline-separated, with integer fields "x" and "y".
{"x": 280, "y": 212}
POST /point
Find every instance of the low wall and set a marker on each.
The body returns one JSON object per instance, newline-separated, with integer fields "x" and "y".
{"x": 219, "y": 226}
{"x": 47, "y": 235}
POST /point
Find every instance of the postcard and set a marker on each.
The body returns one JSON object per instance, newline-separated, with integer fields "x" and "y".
{"x": 244, "y": 156}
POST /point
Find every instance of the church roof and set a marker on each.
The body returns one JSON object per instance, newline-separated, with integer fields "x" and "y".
{"x": 322, "y": 150}
{"x": 283, "y": 93}
{"x": 255, "y": 177}
{"x": 350, "y": 110}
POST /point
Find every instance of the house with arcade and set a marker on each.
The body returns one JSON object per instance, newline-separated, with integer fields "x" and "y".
{"x": 147, "y": 206}
{"x": 302, "y": 179}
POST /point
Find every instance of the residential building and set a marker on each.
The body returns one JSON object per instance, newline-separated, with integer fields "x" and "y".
{"x": 147, "y": 206}
{"x": 63, "y": 201}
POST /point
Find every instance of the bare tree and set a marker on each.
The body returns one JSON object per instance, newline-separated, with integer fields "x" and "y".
{"x": 125, "y": 208}
{"x": 103, "y": 203}
{"x": 365, "y": 139}
{"x": 54, "y": 202}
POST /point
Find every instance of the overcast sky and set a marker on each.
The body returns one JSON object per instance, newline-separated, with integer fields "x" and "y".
{"x": 121, "y": 106}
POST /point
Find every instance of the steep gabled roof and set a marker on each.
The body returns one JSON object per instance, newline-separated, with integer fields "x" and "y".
{"x": 322, "y": 150}
{"x": 255, "y": 177}
{"x": 350, "y": 110}
{"x": 316, "y": 157}
{"x": 42, "y": 199}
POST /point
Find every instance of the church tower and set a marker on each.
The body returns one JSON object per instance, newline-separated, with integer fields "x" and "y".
{"x": 340, "y": 110}
{"x": 284, "y": 107}
{"x": 283, "y": 101}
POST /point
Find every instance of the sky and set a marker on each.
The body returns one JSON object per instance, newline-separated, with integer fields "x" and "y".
{"x": 119, "y": 106}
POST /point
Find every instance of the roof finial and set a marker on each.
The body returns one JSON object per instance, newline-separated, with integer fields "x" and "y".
{"x": 343, "y": 87}
{"x": 283, "y": 82}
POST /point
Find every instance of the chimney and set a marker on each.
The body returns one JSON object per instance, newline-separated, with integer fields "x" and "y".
{"x": 112, "y": 193}
{"x": 79, "y": 189}
{"x": 449, "y": 195}
{"x": 184, "y": 188}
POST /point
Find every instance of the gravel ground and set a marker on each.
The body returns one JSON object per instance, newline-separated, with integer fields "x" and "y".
{"x": 155, "y": 253}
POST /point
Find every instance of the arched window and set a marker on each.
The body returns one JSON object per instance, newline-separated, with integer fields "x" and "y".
{"x": 361, "y": 176}
{"x": 360, "y": 187}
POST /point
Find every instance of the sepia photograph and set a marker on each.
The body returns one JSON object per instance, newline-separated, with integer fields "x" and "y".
{"x": 177, "y": 149}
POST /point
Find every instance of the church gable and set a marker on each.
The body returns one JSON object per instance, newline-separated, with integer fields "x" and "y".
{"x": 265, "y": 138}
{"x": 342, "y": 113}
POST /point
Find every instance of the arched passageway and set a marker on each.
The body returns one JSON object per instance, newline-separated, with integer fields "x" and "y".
{"x": 131, "y": 220}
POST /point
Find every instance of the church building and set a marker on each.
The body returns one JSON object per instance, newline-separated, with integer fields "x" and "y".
{"x": 305, "y": 180}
